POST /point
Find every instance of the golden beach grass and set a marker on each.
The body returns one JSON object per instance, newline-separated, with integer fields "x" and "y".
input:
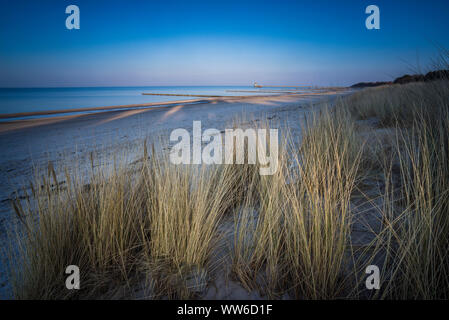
{"x": 159, "y": 224}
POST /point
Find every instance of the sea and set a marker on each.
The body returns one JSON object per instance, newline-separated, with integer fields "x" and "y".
{"x": 18, "y": 100}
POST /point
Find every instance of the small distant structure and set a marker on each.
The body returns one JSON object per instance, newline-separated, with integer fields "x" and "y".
{"x": 256, "y": 85}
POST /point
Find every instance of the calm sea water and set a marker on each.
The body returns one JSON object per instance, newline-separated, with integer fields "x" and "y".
{"x": 44, "y": 99}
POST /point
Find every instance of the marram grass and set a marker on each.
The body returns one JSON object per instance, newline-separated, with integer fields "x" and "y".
{"x": 160, "y": 226}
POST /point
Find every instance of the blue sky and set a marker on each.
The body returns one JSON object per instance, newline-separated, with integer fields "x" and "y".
{"x": 129, "y": 43}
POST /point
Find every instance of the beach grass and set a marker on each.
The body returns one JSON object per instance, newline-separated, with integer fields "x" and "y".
{"x": 160, "y": 226}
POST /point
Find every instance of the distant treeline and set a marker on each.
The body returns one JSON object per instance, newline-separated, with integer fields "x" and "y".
{"x": 430, "y": 76}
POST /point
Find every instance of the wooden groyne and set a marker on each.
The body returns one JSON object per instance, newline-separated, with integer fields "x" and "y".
{"x": 265, "y": 86}
{"x": 182, "y": 95}
{"x": 266, "y": 91}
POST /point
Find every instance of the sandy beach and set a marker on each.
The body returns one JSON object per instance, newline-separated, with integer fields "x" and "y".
{"x": 69, "y": 140}
{"x": 104, "y": 179}
{"x": 33, "y": 142}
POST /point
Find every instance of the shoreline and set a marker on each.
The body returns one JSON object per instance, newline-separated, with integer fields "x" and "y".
{"x": 207, "y": 99}
{"x": 39, "y": 118}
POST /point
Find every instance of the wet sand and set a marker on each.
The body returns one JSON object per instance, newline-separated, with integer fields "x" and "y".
{"x": 205, "y": 99}
{"x": 42, "y": 119}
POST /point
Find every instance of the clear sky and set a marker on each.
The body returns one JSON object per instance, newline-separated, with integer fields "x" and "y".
{"x": 130, "y": 43}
